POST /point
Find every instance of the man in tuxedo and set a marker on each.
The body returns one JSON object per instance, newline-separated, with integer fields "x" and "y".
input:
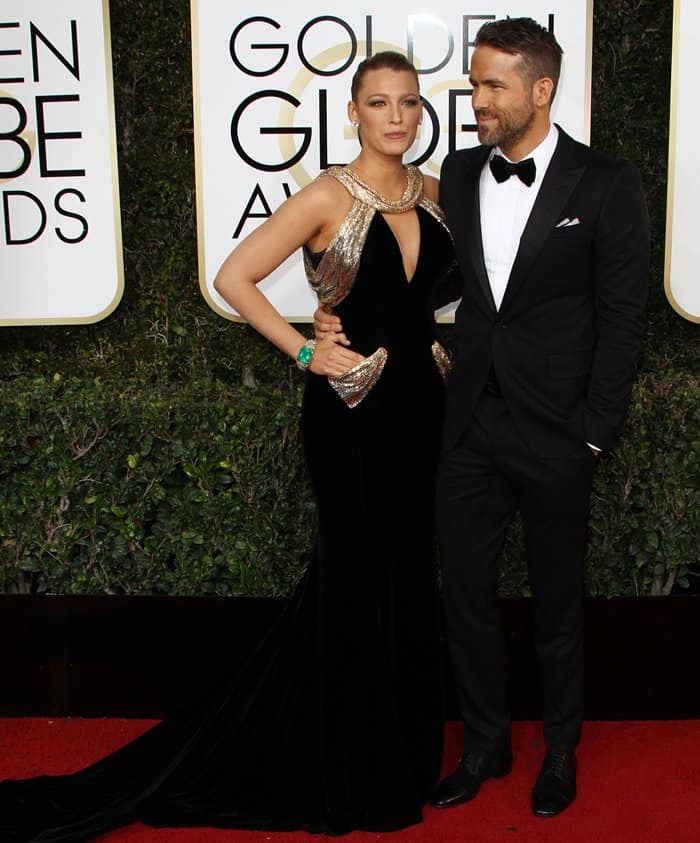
{"x": 552, "y": 243}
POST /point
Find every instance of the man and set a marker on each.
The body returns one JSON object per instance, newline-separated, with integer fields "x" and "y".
{"x": 552, "y": 241}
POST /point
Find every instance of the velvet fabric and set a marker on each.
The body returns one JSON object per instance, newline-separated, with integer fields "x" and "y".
{"x": 335, "y": 722}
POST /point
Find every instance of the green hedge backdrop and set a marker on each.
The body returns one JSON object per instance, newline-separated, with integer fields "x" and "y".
{"x": 158, "y": 451}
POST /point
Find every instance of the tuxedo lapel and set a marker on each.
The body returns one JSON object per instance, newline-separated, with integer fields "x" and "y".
{"x": 562, "y": 176}
{"x": 472, "y": 226}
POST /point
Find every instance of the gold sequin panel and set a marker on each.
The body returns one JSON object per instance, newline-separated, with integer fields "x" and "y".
{"x": 442, "y": 360}
{"x": 333, "y": 278}
{"x": 356, "y": 383}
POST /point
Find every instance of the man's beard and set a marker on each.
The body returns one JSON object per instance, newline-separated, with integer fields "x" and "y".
{"x": 509, "y": 129}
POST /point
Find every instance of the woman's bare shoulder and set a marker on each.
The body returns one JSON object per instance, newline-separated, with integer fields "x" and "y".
{"x": 331, "y": 203}
{"x": 326, "y": 193}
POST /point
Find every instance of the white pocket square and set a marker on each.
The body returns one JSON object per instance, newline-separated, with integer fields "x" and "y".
{"x": 567, "y": 223}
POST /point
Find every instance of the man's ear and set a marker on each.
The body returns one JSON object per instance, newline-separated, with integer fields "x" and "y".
{"x": 542, "y": 91}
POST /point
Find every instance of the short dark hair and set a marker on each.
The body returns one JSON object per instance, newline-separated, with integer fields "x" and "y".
{"x": 385, "y": 60}
{"x": 524, "y": 37}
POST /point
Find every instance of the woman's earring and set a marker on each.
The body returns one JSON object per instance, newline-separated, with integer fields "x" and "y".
{"x": 356, "y": 124}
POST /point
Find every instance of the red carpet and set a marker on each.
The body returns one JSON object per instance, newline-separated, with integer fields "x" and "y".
{"x": 638, "y": 783}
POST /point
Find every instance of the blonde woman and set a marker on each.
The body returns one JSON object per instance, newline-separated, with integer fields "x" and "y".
{"x": 335, "y": 723}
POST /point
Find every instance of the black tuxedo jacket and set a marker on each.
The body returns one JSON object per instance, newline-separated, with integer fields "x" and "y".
{"x": 565, "y": 339}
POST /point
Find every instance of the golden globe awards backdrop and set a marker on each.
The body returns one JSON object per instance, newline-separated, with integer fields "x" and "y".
{"x": 60, "y": 236}
{"x": 683, "y": 209}
{"x": 270, "y": 92}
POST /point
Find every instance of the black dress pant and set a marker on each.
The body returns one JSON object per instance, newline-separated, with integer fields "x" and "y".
{"x": 482, "y": 481}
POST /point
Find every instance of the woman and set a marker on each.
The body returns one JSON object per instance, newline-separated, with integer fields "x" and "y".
{"x": 334, "y": 724}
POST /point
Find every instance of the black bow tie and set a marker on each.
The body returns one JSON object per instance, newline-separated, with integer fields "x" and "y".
{"x": 502, "y": 170}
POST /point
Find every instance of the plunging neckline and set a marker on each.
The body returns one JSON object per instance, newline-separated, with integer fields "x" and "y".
{"x": 408, "y": 281}
{"x": 333, "y": 276}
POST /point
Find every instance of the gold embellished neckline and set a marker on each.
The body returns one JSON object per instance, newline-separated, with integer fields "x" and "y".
{"x": 413, "y": 192}
{"x": 332, "y": 277}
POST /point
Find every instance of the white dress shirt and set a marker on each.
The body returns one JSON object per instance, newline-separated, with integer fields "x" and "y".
{"x": 505, "y": 209}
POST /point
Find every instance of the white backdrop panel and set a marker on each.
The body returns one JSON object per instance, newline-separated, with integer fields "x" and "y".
{"x": 683, "y": 215}
{"x": 60, "y": 239}
{"x": 271, "y": 88}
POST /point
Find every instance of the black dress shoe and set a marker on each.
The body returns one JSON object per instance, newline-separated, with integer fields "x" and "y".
{"x": 555, "y": 788}
{"x": 464, "y": 783}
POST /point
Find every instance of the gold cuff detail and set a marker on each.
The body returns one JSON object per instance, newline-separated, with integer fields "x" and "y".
{"x": 442, "y": 360}
{"x": 356, "y": 383}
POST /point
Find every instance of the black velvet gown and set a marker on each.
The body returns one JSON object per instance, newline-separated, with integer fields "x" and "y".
{"x": 334, "y": 723}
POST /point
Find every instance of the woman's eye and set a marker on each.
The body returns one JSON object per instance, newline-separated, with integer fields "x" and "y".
{"x": 410, "y": 103}
{"x": 377, "y": 102}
